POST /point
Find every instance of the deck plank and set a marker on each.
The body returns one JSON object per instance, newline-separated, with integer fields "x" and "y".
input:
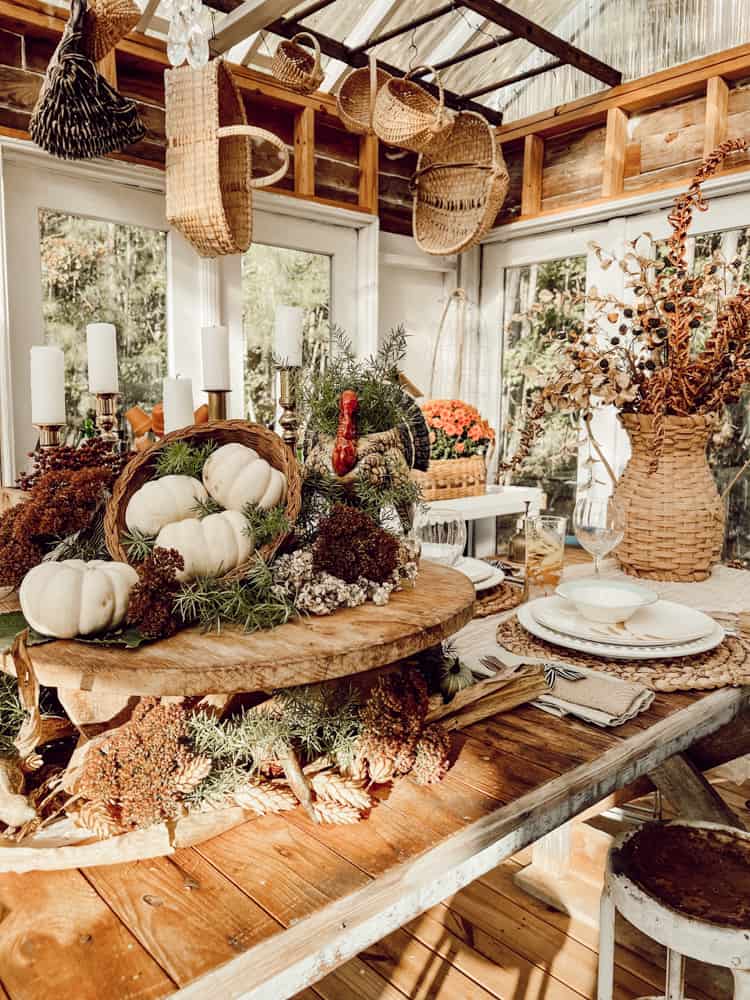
{"x": 58, "y": 938}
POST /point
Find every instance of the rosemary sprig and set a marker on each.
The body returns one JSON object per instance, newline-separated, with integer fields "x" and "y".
{"x": 181, "y": 458}
{"x": 137, "y": 545}
{"x": 11, "y": 713}
{"x": 265, "y": 525}
{"x": 202, "y": 508}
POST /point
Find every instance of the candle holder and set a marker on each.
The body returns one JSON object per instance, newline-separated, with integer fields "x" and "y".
{"x": 106, "y": 415}
{"x": 49, "y": 435}
{"x": 217, "y": 404}
{"x": 288, "y": 402}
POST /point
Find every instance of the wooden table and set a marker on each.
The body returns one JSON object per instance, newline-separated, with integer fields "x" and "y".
{"x": 271, "y": 906}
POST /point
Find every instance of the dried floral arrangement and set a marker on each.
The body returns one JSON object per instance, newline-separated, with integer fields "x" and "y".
{"x": 457, "y": 430}
{"x": 680, "y": 347}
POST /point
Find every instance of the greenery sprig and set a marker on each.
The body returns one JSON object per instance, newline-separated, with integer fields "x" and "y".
{"x": 137, "y": 545}
{"x": 181, "y": 458}
{"x": 203, "y": 508}
{"x": 265, "y": 525}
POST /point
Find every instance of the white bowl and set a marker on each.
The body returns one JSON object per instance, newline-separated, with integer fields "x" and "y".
{"x": 606, "y": 601}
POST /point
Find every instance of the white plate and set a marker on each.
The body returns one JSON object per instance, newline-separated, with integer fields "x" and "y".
{"x": 497, "y": 577}
{"x": 475, "y": 569}
{"x": 659, "y": 624}
{"x": 612, "y": 650}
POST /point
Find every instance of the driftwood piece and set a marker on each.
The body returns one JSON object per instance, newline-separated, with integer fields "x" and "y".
{"x": 691, "y": 795}
{"x": 297, "y": 781}
{"x": 488, "y": 697}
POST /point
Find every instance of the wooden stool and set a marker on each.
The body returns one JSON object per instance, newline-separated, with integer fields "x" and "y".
{"x": 687, "y": 886}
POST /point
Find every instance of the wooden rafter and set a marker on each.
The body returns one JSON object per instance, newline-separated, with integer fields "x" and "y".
{"x": 249, "y": 17}
{"x": 375, "y": 18}
{"x": 147, "y": 14}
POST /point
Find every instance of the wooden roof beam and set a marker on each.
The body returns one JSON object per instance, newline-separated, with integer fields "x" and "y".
{"x": 376, "y": 16}
{"x": 526, "y": 75}
{"x": 402, "y": 29}
{"x": 245, "y": 20}
{"x": 521, "y": 26}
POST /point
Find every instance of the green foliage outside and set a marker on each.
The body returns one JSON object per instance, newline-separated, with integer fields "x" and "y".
{"x": 274, "y": 276}
{"x": 104, "y": 272}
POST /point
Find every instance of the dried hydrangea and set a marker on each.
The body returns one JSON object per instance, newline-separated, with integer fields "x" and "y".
{"x": 151, "y": 606}
{"x": 350, "y": 545}
{"x": 392, "y": 719}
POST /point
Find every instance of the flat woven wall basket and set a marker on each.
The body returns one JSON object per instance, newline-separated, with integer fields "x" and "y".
{"x": 141, "y": 469}
{"x": 459, "y": 187}
{"x": 451, "y": 478}
{"x": 296, "y": 67}
{"x": 105, "y": 24}
{"x": 209, "y": 159}
{"x": 355, "y": 100}
{"x": 408, "y": 116}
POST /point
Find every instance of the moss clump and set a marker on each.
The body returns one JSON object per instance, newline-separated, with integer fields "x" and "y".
{"x": 350, "y": 545}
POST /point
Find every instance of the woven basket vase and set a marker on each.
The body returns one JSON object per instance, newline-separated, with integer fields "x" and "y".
{"x": 459, "y": 187}
{"x": 296, "y": 67}
{"x": 451, "y": 478}
{"x": 408, "y": 116}
{"x": 674, "y": 514}
{"x": 209, "y": 159}
{"x": 141, "y": 469}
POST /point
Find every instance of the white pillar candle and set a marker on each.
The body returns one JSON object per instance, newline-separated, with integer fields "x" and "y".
{"x": 178, "y": 404}
{"x": 101, "y": 344}
{"x": 47, "y": 385}
{"x": 215, "y": 357}
{"x": 288, "y": 339}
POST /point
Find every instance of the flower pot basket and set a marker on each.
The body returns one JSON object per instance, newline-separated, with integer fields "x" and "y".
{"x": 674, "y": 514}
{"x": 451, "y": 478}
{"x": 141, "y": 469}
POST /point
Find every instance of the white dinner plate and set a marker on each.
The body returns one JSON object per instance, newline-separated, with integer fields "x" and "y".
{"x": 612, "y": 650}
{"x": 476, "y": 569}
{"x": 497, "y": 577}
{"x": 661, "y": 624}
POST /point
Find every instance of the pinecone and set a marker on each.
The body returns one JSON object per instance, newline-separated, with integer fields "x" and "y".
{"x": 98, "y": 817}
{"x": 432, "y": 756}
{"x": 380, "y": 768}
{"x": 335, "y": 788}
{"x": 265, "y": 798}
{"x": 190, "y": 774}
{"x": 335, "y": 812}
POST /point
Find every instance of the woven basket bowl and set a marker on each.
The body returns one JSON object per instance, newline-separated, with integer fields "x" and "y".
{"x": 354, "y": 100}
{"x": 141, "y": 469}
{"x": 296, "y": 67}
{"x": 451, "y": 478}
{"x": 459, "y": 187}
{"x": 674, "y": 515}
{"x": 406, "y": 115}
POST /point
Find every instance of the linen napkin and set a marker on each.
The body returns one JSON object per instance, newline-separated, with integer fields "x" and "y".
{"x": 595, "y": 697}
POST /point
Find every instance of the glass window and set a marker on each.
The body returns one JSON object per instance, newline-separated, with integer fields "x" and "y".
{"x": 105, "y": 272}
{"x": 274, "y": 276}
{"x": 540, "y": 306}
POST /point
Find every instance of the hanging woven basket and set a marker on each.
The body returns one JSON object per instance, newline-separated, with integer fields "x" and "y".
{"x": 296, "y": 67}
{"x": 459, "y": 187}
{"x": 356, "y": 97}
{"x": 105, "y": 24}
{"x": 406, "y": 115}
{"x": 209, "y": 159}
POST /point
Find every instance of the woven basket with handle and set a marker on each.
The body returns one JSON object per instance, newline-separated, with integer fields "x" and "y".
{"x": 295, "y": 66}
{"x": 451, "y": 478}
{"x": 209, "y": 159}
{"x": 673, "y": 512}
{"x": 406, "y": 115}
{"x": 459, "y": 187}
{"x": 355, "y": 101}
{"x": 141, "y": 469}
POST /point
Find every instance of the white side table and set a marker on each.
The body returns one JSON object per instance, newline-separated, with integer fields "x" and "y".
{"x": 481, "y": 512}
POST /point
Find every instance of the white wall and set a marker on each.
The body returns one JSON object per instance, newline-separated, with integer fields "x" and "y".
{"x": 413, "y": 289}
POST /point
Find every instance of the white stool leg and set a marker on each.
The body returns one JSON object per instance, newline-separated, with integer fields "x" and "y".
{"x": 605, "y": 985}
{"x": 741, "y": 984}
{"x": 675, "y": 975}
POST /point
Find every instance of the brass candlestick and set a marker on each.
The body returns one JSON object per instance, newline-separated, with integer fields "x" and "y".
{"x": 49, "y": 435}
{"x": 106, "y": 415}
{"x": 288, "y": 402}
{"x": 217, "y": 404}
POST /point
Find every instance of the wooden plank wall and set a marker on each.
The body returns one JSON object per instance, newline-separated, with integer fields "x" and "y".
{"x": 642, "y": 136}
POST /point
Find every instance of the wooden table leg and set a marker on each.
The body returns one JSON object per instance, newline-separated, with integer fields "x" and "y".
{"x": 692, "y": 796}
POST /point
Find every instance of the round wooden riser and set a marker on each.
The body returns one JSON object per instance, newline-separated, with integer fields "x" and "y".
{"x": 305, "y": 651}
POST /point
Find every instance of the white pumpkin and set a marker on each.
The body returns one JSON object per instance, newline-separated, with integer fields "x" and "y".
{"x": 236, "y": 475}
{"x": 210, "y": 547}
{"x": 73, "y": 597}
{"x": 163, "y": 501}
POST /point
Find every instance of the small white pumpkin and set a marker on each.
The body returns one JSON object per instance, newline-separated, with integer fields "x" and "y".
{"x": 236, "y": 475}
{"x": 163, "y": 501}
{"x": 210, "y": 547}
{"x": 72, "y": 597}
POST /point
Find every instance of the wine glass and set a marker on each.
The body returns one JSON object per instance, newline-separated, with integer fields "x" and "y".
{"x": 441, "y": 534}
{"x": 599, "y": 524}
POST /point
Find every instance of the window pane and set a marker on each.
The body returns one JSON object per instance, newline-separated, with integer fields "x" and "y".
{"x": 105, "y": 272}
{"x": 539, "y": 306}
{"x": 274, "y": 276}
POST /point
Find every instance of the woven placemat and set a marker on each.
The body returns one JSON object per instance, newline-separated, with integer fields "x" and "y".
{"x": 726, "y": 666}
{"x": 503, "y": 597}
